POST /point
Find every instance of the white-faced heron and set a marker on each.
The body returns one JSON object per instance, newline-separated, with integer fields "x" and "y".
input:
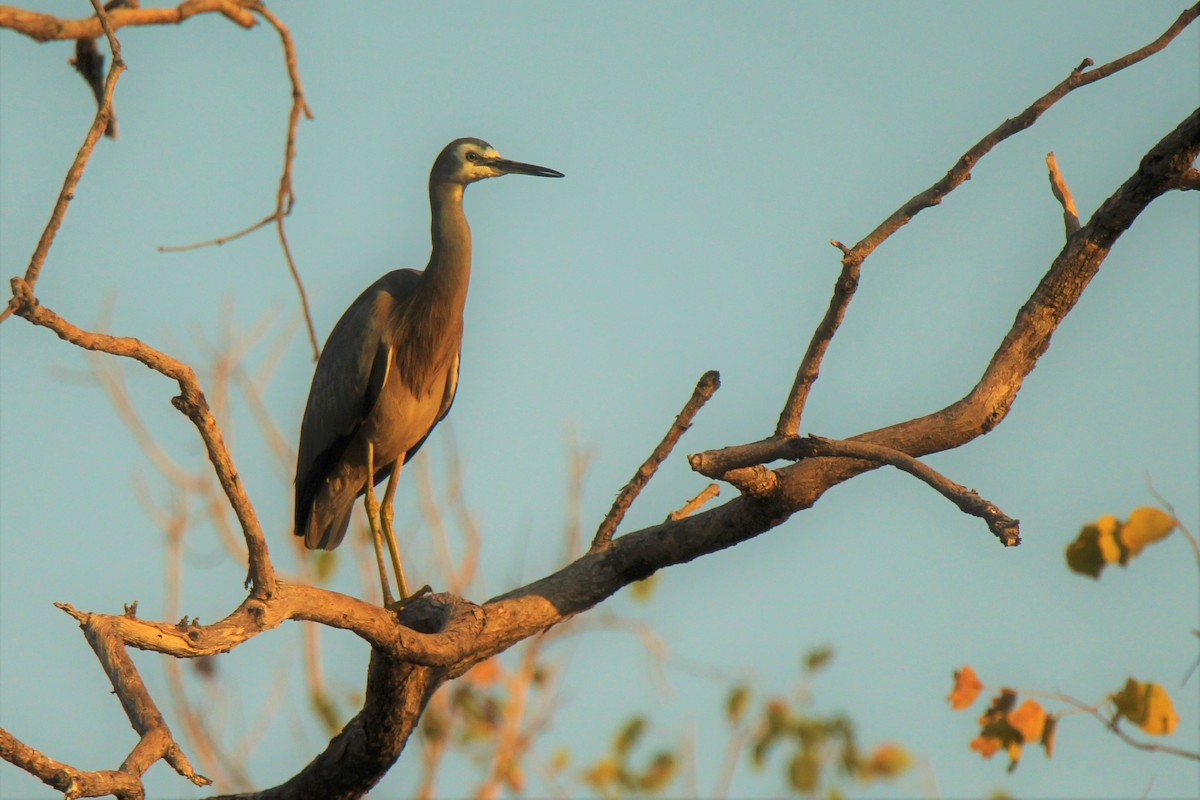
{"x": 389, "y": 370}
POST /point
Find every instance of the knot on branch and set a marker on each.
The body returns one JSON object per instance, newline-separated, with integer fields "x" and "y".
{"x": 22, "y": 299}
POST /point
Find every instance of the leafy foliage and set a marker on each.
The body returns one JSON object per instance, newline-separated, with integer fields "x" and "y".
{"x": 1109, "y": 541}
{"x": 815, "y": 745}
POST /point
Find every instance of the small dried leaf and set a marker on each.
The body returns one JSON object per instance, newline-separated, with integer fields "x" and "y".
{"x": 817, "y": 658}
{"x": 629, "y": 735}
{"x": 603, "y": 774}
{"x": 804, "y": 772}
{"x": 737, "y": 702}
{"x": 889, "y": 760}
{"x": 1029, "y": 720}
{"x": 986, "y": 746}
{"x": 1145, "y": 527}
{"x": 1083, "y": 554}
{"x": 967, "y": 687}
{"x": 1048, "y": 733}
{"x": 1148, "y": 706}
{"x": 660, "y": 772}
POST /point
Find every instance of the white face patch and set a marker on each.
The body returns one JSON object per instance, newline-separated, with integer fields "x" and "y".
{"x": 477, "y": 170}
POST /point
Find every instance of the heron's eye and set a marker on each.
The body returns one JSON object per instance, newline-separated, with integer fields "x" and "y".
{"x": 471, "y": 156}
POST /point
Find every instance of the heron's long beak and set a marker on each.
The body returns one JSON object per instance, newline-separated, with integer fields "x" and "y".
{"x": 519, "y": 168}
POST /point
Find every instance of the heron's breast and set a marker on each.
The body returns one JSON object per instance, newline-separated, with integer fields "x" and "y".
{"x": 401, "y": 418}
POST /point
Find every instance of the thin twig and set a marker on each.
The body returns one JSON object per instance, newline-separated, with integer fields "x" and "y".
{"x": 1005, "y": 528}
{"x": 75, "y": 173}
{"x": 708, "y": 384}
{"x": 285, "y": 196}
{"x": 1062, "y": 193}
{"x": 806, "y": 375}
{"x": 706, "y": 494}
{"x": 1113, "y": 726}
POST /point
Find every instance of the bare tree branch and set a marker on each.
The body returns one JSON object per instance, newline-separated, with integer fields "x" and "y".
{"x": 705, "y": 388}
{"x": 1004, "y": 527}
{"x": 191, "y": 402}
{"x": 847, "y": 283}
{"x": 75, "y": 173}
{"x": 440, "y": 637}
{"x": 46, "y": 28}
{"x": 1062, "y": 193}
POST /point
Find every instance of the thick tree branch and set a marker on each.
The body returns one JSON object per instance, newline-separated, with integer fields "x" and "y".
{"x": 810, "y": 365}
{"x": 533, "y": 609}
{"x": 65, "y": 778}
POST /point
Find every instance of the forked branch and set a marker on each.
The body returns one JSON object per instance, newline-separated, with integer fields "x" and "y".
{"x": 853, "y": 257}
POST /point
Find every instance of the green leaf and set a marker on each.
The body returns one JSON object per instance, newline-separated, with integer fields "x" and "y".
{"x": 628, "y": 736}
{"x": 804, "y": 772}
{"x": 817, "y": 658}
{"x": 737, "y": 702}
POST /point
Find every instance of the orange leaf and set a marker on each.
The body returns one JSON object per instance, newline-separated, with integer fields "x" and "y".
{"x": 966, "y": 688}
{"x": 1029, "y": 720}
{"x": 986, "y": 746}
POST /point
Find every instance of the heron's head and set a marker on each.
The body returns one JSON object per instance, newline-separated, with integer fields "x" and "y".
{"x": 468, "y": 160}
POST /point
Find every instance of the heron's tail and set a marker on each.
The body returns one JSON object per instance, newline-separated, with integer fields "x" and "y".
{"x": 327, "y": 522}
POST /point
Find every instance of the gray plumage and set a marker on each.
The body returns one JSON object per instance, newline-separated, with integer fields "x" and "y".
{"x": 389, "y": 371}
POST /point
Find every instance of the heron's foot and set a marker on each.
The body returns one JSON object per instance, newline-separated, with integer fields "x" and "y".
{"x": 399, "y": 605}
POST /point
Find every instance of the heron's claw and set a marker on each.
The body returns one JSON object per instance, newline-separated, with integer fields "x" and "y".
{"x": 399, "y": 605}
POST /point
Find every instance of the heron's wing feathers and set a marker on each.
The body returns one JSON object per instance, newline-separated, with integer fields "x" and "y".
{"x": 347, "y": 383}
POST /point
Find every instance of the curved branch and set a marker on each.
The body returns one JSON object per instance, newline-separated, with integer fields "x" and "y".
{"x": 191, "y": 402}
{"x": 48, "y": 28}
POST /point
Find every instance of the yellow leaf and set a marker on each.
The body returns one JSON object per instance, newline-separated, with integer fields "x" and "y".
{"x": 889, "y": 760}
{"x": 559, "y": 760}
{"x": 1146, "y": 526}
{"x": 629, "y": 735}
{"x": 967, "y": 687}
{"x": 660, "y": 772}
{"x": 804, "y": 772}
{"x": 1107, "y": 528}
{"x": 738, "y": 700}
{"x": 1029, "y": 720}
{"x": 1148, "y": 706}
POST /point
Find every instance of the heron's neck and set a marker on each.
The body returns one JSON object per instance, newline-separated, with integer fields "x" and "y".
{"x": 449, "y": 268}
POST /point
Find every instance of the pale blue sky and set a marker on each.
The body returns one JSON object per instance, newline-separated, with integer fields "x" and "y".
{"x": 711, "y": 151}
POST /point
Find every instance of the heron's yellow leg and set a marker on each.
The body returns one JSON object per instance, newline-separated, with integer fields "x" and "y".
{"x": 386, "y": 513}
{"x": 372, "y": 506}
